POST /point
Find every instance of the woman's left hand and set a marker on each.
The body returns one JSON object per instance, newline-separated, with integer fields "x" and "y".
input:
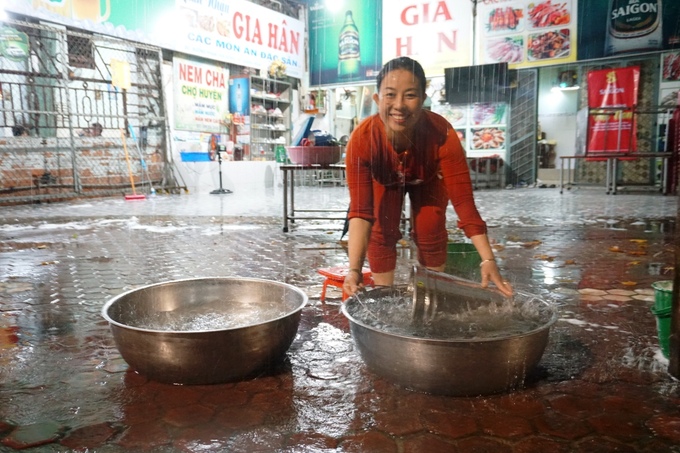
{"x": 490, "y": 273}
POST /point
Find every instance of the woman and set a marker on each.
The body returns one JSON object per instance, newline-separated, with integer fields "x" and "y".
{"x": 405, "y": 149}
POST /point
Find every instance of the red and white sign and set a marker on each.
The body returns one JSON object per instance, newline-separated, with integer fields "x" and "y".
{"x": 200, "y": 96}
{"x": 612, "y": 96}
{"x": 438, "y": 34}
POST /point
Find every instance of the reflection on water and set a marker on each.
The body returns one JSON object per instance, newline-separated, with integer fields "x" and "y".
{"x": 393, "y": 314}
{"x": 215, "y": 315}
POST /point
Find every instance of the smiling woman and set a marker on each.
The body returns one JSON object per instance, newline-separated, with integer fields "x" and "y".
{"x": 407, "y": 150}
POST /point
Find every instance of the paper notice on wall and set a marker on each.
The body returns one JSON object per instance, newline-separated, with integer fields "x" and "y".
{"x": 120, "y": 74}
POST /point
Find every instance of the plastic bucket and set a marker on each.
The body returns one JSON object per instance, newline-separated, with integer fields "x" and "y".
{"x": 463, "y": 260}
{"x": 663, "y": 294}
{"x": 663, "y": 327}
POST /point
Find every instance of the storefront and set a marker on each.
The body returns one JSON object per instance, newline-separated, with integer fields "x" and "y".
{"x": 230, "y": 74}
{"x": 551, "y": 47}
{"x": 241, "y": 77}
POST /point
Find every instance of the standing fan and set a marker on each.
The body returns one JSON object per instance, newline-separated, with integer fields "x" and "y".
{"x": 213, "y": 150}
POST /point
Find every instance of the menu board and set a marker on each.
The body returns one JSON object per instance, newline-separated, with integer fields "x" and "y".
{"x": 481, "y": 127}
{"x": 527, "y": 33}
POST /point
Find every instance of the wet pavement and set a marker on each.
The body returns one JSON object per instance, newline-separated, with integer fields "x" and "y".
{"x": 601, "y": 385}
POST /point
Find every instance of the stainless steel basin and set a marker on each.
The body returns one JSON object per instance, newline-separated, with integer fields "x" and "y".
{"x": 247, "y": 326}
{"x": 447, "y": 366}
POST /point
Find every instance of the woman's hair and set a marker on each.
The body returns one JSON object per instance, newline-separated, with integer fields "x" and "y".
{"x": 406, "y": 63}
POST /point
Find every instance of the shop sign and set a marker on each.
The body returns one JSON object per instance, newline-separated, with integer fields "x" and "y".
{"x": 240, "y": 32}
{"x": 233, "y": 31}
{"x": 612, "y": 96}
{"x": 200, "y": 96}
{"x": 13, "y": 44}
{"x": 438, "y": 34}
{"x": 526, "y": 33}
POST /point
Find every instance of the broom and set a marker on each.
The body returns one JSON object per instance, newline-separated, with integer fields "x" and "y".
{"x": 135, "y": 195}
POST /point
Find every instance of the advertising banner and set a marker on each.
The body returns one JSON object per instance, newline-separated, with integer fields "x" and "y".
{"x": 200, "y": 97}
{"x": 345, "y": 44}
{"x": 612, "y": 96}
{"x": 619, "y": 27}
{"x": 233, "y": 31}
{"x": 526, "y": 34}
{"x": 13, "y": 44}
{"x": 438, "y": 34}
{"x": 241, "y": 33}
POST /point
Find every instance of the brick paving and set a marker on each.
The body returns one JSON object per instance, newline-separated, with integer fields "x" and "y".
{"x": 601, "y": 385}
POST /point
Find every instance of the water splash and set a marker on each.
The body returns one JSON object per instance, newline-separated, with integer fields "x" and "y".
{"x": 393, "y": 314}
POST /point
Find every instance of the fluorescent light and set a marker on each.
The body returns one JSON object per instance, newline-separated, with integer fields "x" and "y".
{"x": 557, "y": 89}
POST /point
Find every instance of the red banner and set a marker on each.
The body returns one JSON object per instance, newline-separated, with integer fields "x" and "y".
{"x": 612, "y": 96}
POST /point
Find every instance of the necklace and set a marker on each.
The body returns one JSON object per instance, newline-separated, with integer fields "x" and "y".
{"x": 399, "y": 143}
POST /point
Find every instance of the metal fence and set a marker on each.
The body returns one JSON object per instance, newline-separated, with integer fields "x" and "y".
{"x": 66, "y": 131}
{"x": 523, "y": 135}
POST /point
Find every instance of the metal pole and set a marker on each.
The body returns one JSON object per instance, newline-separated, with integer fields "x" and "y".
{"x": 674, "y": 338}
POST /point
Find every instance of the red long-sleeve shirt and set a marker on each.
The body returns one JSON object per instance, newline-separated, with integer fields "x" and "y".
{"x": 436, "y": 154}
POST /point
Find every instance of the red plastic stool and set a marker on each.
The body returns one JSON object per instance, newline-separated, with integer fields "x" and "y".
{"x": 335, "y": 276}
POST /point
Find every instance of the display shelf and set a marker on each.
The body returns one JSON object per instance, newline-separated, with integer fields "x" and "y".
{"x": 269, "y": 122}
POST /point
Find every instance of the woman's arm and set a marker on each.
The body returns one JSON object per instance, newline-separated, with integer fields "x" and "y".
{"x": 359, "y": 233}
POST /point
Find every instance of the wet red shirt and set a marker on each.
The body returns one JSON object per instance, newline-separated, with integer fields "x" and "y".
{"x": 435, "y": 157}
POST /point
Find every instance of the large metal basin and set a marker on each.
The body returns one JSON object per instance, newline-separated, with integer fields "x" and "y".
{"x": 162, "y": 352}
{"x": 459, "y": 367}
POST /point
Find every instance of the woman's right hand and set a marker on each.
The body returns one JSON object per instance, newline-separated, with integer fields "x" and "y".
{"x": 353, "y": 283}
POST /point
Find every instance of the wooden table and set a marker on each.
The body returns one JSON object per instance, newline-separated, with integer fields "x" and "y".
{"x": 289, "y": 213}
{"x": 612, "y": 163}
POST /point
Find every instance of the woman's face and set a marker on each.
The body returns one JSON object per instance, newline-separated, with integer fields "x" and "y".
{"x": 400, "y": 101}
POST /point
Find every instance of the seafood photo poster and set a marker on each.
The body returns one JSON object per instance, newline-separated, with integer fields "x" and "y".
{"x": 481, "y": 127}
{"x": 526, "y": 34}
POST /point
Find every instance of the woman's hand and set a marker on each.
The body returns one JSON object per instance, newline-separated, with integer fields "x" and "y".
{"x": 490, "y": 272}
{"x": 354, "y": 281}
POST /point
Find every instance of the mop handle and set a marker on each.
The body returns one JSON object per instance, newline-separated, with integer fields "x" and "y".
{"x": 127, "y": 159}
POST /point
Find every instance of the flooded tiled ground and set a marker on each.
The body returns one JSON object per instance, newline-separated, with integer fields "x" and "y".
{"x": 601, "y": 385}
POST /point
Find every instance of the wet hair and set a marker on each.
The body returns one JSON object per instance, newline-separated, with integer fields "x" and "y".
{"x": 406, "y": 63}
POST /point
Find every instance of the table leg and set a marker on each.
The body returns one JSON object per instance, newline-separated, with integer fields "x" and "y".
{"x": 285, "y": 200}
{"x": 562, "y": 175}
{"x": 664, "y": 176}
{"x": 488, "y": 173}
{"x": 607, "y": 175}
{"x": 292, "y": 195}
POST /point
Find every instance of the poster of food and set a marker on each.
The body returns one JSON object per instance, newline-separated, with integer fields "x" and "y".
{"x": 488, "y": 114}
{"x": 525, "y": 34}
{"x": 481, "y": 127}
{"x": 671, "y": 67}
{"x": 455, "y": 114}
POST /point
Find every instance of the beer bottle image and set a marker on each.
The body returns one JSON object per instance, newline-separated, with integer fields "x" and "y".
{"x": 239, "y": 99}
{"x": 349, "y": 56}
{"x": 634, "y": 25}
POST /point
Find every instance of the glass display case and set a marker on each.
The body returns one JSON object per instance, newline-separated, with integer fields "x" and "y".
{"x": 262, "y": 110}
